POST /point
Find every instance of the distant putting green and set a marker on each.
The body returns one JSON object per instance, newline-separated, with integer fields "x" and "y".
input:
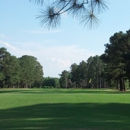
{"x": 64, "y": 109}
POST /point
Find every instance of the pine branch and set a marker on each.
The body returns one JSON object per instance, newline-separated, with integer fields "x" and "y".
{"x": 82, "y": 9}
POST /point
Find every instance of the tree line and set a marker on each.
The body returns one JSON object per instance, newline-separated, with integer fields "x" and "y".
{"x": 111, "y": 69}
{"x": 23, "y": 72}
{"x": 88, "y": 74}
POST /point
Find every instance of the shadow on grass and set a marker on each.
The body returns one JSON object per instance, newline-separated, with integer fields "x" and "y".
{"x": 67, "y": 116}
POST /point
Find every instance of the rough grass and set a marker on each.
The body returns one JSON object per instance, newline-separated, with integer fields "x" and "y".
{"x": 61, "y": 109}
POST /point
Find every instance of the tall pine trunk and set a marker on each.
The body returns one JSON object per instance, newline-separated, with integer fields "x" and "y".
{"x": 122, "y": 84}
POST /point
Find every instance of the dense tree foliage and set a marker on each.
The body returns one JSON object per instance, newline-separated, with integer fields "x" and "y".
{"x": 19, "y": 72}
{"x": 64, "y": 77}
{"x": 117, "y": 59}
{"x": 84, "y": 10}
{"x": 4, "y": 57}
{"x": 12, "y": 72}
{"x": 95, "y": 72}
{"x": 9, "y": 69}
{"x": 31, "y": 70}
{"x": 51, "y": 82}
{"x": 87, "y": 74}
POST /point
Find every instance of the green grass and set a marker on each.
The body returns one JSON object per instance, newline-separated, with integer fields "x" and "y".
{"x": 61, "y": 109}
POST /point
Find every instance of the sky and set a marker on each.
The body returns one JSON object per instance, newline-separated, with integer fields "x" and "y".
{"x": 57, "y": 49}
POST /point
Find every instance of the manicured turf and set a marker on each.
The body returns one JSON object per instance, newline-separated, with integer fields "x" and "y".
{"x": 61, "y": 109}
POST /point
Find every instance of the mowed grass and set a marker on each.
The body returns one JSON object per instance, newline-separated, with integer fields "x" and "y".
{"x": 64, "y": 109}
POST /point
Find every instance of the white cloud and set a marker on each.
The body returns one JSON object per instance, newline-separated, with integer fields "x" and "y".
{"x": 54, "y": 59}
{"x": 64, "y": 63}
{"x": 4, "y": 36}
{"x": 1, "y": 35}
{"x": 6, "y": 44}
